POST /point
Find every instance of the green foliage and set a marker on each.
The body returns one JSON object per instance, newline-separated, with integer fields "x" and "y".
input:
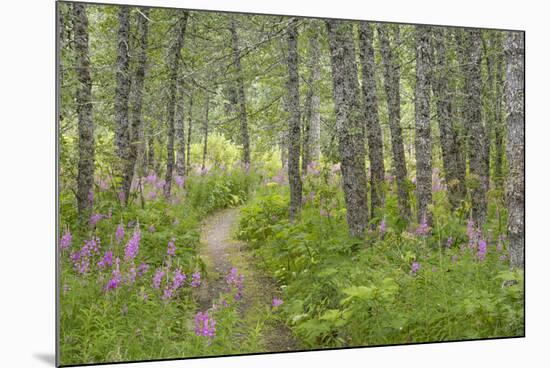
{"x": 220, "y": 152}
{"x": 341, "y": 292}
{"x": 219, "y": 189}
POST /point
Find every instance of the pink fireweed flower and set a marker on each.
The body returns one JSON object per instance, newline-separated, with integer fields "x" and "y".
{"x": 157, "y": 278}
{"x": 94, "y": 219}
{"x": 103, "y": 184}
{"x": 313, "y": 169}
{"x": 132, "y": 273}
{"x": 449, "y": 242}
{"x": 116, "y": 279}
{"x": 142, "y": 268}
{"x": 179, "y": 279}
{"x": 280, "y": 177}
{"x": 415, "y": 267}
{"x": 151, "y": 178}
{"x": 81, "y": 261}
{"x": 423, "y": 228}
{"x": 152, "y": 195}
{"x": 160, "y": 184}
{"x": 196, "y": 279}
{"x": 132, "y": 247}
{"x": 151, "y": 229}
{"x": 180, "y": 180}
{"x": 177, "y": 282}
{"x": 91, "y": 197}
{"x": 235, "y": 282}
{"x": 66, "y": 240}
{"x": 106, "y": 261}
{"x": 481, "y": 250}
{"x": 205, "y": 325}
{"x": 121, "y": 196}
{"x": 119, "y": 233}
{"x": 382, "y": 227}
{"x": 277, "y": 302}
{"x": 323, "y": 212}
{"x": 171, "y": 251}
{"x": 81, "y": 258}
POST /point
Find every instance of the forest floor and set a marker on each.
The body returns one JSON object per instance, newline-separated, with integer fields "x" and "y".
{"x": 221, "y": 252}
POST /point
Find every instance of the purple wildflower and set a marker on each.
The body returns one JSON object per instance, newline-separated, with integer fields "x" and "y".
{"x": 106, "y": 261}
{"x": 151, "y": 229}
{"x": 277, "y": 302}
{"x": 121, "y": 196}
{"x": 66, "y": 240}
{"x": 151, "y": 178}
{"x": 235, "y": 281}
{"x": 482, "y": 250}
{"x": 179, "y": 279}
{"x": 91, "y": 197}
{"x": 119, "y": 233}
{"x": 423, "y": 228}
{"x": 382, "y": 227}
{"x": 313, "y": 169}
{"x": 132, "y": 273}
{"x": 94, "y": 219}
{"x": 160, "y": 184}
{"x": 157, "y": 279}
{"x": 449, "y": 242}
{"x": 116, "y": 279}
{"x": 171, "y": 251}
{"x": 132, "y": 247}
{"x": 196, "y": 279}
{"x": 142, "y": 268}
{"x": 205, "y": 325}
{"x": 180, "y": 180}
{"x": 152, "y": 194}
{"x": 415, "y": 267}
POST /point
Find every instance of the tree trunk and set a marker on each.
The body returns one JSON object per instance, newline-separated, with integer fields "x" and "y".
{"x": 173, "y": 65}
{"x": 189, "y": 131}
{"x": 349, "y": 124}
{"x": 150, "y": 150}
{"x": 180, "y": 130}
{"x": 122, "y": 92}
{"x": 205, "y": 130}
{"x": 448, "y": 138}
{"x": 137, "y": 98}
{"x": 370, "y": 102}
{"x": 312, "y": 119}
{"x": 423, "y": 141}
{"x": 515, "y": 150}
{"x": 86, "y": 152}
{"x": 476, "y": 131}
{"x": 498, "y": 121}
{"x": 240, "y": 92}
{"x": 294, "y": 179}
{"x": 391, "y": 84}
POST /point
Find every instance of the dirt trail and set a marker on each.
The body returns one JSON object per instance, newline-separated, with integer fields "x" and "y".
{"x": 220, "y": 252}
